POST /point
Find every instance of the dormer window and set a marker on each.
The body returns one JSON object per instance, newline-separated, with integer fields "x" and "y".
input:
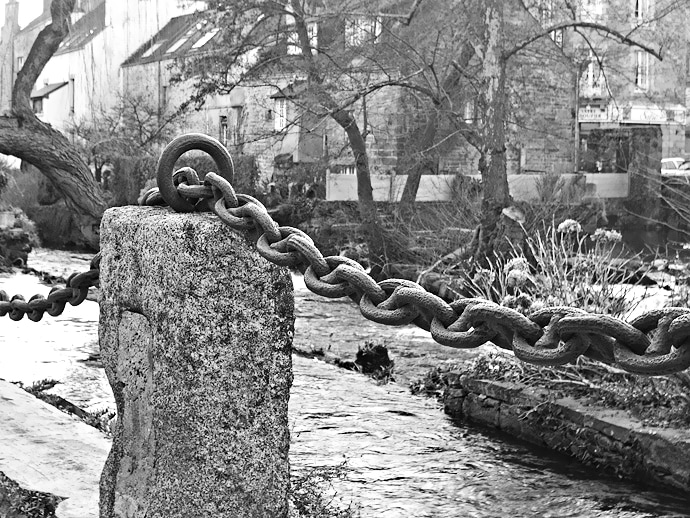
{"x": 205, "y": 39}
{"x": 153, "y": 48}
{"x": 177, "y": 45}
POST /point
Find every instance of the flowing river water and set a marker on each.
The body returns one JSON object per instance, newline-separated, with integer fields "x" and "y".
{"x": 399, "y": 456}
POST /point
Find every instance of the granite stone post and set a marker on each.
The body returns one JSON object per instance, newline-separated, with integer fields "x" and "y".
{"x": 195, "y": 335}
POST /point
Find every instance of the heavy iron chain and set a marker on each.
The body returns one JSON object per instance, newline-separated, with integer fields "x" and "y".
{"x": 75, "y": 293}
{"x": 656, "y": 343}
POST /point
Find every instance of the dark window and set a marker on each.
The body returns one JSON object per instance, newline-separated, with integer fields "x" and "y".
{"x": 223, "y": 130}
{"x": 38, "y": 105}
{"x": 71, "y": 95}
{"x": 236, "y": 125}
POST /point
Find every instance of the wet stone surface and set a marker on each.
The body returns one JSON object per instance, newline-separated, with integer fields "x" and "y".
{"x": 401, "y": 456}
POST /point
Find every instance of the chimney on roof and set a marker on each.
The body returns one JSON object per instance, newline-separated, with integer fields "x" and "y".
{"x": 12, "y": 14}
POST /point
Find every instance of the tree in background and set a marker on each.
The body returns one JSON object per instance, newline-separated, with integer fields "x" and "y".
{"x": 331, "y": 49}
{"x": 462, "y": 64}
{"x": 134, "y": 127}
{"x": 479, "y": 78}
{"x": 23, "y": 135}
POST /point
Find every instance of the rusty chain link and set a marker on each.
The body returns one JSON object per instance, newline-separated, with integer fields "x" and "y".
{"x": 655, "y": 343}
{"x": 75, "y": 293}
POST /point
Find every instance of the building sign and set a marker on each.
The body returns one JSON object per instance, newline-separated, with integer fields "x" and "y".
{"x": 593, "y": 113}
{"x": 598, "y": 113}
{"x": 657, "y": 115}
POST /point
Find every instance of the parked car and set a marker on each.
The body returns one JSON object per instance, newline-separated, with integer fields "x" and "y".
{"x": 675, "y": 166}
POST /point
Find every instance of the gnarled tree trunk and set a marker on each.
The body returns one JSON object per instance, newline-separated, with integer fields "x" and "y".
{"x": 23, "y": 135}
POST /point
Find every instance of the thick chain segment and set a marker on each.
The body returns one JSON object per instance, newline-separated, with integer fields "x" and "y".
{"x": 74, "y": 293}
{"x": 656, "y": 343}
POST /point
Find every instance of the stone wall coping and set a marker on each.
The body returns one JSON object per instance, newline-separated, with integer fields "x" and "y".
{"x": 45, "y": 449}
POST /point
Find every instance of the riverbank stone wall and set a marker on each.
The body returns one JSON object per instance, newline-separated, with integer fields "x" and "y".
{"x": 195, "y": 334}
{"x": 601, "y": 437}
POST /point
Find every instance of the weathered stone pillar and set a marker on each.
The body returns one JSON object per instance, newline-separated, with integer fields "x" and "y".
{"x": 195, "y": 334}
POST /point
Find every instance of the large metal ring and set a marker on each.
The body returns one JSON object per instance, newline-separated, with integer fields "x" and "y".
{"x": 174, "y": 150}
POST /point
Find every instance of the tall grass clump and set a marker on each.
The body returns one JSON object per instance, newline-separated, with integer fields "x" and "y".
{"x": 560, "y": 265}
{"x": 312, "y": 494}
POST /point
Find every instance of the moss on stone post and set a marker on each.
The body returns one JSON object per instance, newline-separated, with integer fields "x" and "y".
{"x": 195, "y": 334}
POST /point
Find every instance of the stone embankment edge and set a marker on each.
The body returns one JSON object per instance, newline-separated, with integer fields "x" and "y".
{"x": 44, "y": 449}
{"x": 605, "y": 438}
{"x": 601, "y": 437}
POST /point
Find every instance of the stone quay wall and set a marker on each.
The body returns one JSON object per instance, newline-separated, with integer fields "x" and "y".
{"x": 600, "y": 437}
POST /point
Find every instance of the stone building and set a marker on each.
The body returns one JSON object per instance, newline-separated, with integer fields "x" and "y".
{"x": 8, "y": 64}
{"x": 273, "y": 124}
{"x": 566, "y": 90}
{"x": 625, "y": 87}
{"x": 83, "y": 79}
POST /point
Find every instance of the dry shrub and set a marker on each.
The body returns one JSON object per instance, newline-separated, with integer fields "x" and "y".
{"x": 561, "y": 265}
{"x": 23, "y": 188}
{"x": 312, "y": 495}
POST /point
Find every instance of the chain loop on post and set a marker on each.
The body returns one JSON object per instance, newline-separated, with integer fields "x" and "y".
{"x": 656, "y": 343}
{"x": 175, "y": 150}
{"x": 224, "y": 188}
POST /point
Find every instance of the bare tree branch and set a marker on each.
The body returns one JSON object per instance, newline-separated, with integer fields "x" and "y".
{"x": 622, "y": 38}
{"x": 46, "y": 44}
{"x": 405, "y": 19}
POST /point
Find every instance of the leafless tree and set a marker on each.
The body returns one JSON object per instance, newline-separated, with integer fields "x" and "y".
{"x": 445, "y": 54}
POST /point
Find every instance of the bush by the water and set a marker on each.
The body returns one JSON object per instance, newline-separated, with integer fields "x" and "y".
{"x": 372, "y": 359}
{"x": 17, "y": 502}
{"x": 312, "y": 494}
{"x": 561, "y": 265}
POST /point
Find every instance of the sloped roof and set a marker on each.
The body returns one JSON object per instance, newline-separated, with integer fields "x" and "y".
{"x": 46, "y": 90}
{"x": 181, "y": 36}
{"x": 84, "y": 30}
{"x": 41, "y": 20}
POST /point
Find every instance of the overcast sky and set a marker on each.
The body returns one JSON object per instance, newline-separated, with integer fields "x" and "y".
{"x": 28, "y": 10}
